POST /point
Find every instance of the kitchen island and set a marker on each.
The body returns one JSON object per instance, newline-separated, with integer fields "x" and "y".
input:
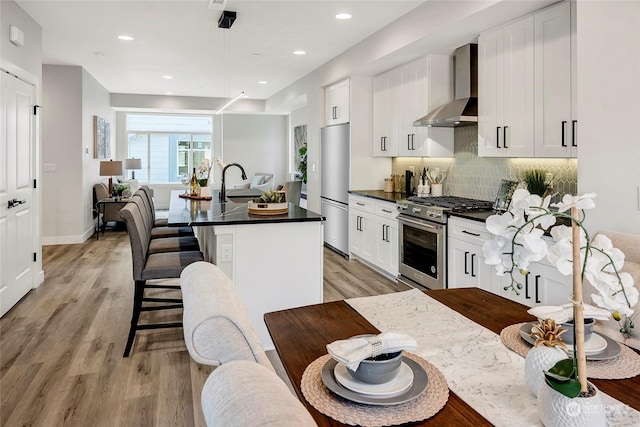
{"x": 275, "y": 261}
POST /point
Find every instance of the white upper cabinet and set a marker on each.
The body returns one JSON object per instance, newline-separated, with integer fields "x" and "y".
{"x": 505, "y": 92}
{"x": 527, "y": 87}
{"x": 336, "y": 100}
{"x": 555, "y": 118}
{"x": 385, "y": 114}
{"x": 404, "y": 94}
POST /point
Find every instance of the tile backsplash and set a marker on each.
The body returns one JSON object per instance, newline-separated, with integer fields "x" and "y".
{"x": 479, "y": 177}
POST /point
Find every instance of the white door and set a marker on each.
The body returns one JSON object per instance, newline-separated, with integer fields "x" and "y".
{"x": 16, "y": 190}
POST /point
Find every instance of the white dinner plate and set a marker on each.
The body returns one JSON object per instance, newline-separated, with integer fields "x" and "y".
{"x": 418, "y": 386}
{"x": 398, "y": 385}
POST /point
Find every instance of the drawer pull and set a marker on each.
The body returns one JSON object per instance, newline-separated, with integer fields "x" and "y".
{"x": 470, "y": 233}
{"x": 386, "y": 211}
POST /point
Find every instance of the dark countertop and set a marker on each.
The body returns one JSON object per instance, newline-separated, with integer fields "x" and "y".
{"x": 380, "y": 195}
{"x": 480, "y": 216}
{"x": 212, "y": 212}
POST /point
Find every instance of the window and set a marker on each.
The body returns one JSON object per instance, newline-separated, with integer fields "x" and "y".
{"x": 169, "y": 145}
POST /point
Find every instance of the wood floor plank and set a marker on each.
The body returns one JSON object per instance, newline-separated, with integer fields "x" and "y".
{"x": 61, "y": 346}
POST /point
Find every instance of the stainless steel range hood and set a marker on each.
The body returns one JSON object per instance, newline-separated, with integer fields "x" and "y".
{"x": 463, "y": 110}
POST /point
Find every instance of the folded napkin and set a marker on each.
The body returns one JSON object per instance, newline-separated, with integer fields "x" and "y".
{"x": 564, "y": 313}
{"x": 354, "y": 350}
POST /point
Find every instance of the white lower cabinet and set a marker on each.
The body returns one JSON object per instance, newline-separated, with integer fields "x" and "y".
{"x": 360, "y": 233}
{"x": 542, "y": 285}
{"x": 373, "y": 232}
{"x": 465, "y": 259}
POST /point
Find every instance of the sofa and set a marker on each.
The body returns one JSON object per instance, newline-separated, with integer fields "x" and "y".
{"x": 259, "y": 181}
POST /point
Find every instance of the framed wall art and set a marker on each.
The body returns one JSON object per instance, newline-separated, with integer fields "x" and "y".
{"x": 101, "y": 138}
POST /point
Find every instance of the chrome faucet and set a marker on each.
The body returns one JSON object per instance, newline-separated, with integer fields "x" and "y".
{"x": 223, "y": 192}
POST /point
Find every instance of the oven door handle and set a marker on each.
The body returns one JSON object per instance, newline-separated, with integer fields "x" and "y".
{"x": 418, "y": 223}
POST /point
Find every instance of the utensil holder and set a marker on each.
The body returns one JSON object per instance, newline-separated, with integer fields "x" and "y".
{"x": 436, "y": 190}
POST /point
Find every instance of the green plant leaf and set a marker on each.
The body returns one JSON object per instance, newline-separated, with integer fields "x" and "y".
{"x": 562, "y": 369}
{"x": 569, "y": 388}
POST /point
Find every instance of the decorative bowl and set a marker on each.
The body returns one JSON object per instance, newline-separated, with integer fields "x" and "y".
{"x": 567, "y": 337}
{"x": 379, "y": 369}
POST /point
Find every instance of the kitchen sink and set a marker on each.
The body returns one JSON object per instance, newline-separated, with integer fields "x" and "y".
{"x": 240, "y": 198}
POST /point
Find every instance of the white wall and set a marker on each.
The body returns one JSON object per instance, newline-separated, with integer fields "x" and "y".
{"x": 257, "y": 142}
{"x": 95, "y": 102}
{"x": 67, "y": 129}
{"x": 608, "y": 59}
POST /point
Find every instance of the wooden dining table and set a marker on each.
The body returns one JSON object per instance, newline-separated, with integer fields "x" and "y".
{"x": 300, "y": 336}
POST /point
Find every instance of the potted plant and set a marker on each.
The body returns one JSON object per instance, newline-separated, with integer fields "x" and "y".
{"x": 302, "y": 164}
{"x": 536, "y": 181}
{"x": 517, "y": 241}
{"x": 203, "y": 174}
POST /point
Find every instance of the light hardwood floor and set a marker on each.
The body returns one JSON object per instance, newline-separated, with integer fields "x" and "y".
{"x": 61, "y": 346}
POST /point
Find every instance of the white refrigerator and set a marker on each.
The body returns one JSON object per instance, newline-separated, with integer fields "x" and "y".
{"x": 334, "y": 192}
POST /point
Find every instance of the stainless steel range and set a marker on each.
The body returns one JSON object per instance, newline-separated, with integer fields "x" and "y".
{"x": 423, "y": 238}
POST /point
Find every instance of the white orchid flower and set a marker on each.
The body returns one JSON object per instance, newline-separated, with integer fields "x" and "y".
{"x": 561, "y": 256}
{"x": 582, "y": 202}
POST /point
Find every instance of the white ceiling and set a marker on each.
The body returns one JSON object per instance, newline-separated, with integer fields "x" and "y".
{"x": 182, "y": 39}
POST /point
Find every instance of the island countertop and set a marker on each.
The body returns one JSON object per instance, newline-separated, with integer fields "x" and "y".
{"x": 183, "y": 211}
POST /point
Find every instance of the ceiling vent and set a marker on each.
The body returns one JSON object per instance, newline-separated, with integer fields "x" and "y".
{"x": 226, "y": 19}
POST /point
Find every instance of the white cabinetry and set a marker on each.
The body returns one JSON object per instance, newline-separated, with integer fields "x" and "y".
{"x": 542, "y": 285}
{"x": 337, "y": 103}
{"x": 401, "y": 96}
{"x": 373, "y": 232}
{"x": 526, "y": 90}
{"x": 555, "y": 111}
{"x": 465, "y": 259}
{"x": 505, "y": 92}
{"x": 385, "y": 114}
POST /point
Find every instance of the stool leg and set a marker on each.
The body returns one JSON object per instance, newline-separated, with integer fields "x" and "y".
{"x": 137, "y": 307}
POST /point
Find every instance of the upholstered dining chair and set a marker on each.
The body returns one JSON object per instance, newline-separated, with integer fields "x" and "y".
{"x": 292, "y": 190}
{"x": 149, "y": 266}
{"x": 245, "y": 393}
{"x": 160, "y": 227}
{"x": 629, "y": 244}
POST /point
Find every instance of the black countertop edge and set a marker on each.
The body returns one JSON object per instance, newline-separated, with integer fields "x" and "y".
{"x": 380, "y": 195}
{"x": 480, "y": 216}
{"x": 252, "y": 219}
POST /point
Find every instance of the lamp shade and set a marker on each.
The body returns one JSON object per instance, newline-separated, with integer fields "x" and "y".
{"x": 131, "y": 164}
{"x": 111, "y": 168}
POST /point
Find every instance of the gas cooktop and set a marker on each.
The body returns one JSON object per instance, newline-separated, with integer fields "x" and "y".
{"x": 455, "y": 204}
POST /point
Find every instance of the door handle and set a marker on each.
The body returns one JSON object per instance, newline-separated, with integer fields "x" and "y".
{"x": 573, "y": 133}
{"x": 537, "y": 289}
{"x": 383, "y": 233}
{"x": 334, "y": 112}
{"x": 466, "y": 266}
{"x": 564, "y": 124}
{"x": 526, "y": 286}
{"x": 388, "y": 227}
{"x": 408, "y": 141}
{"x": 15, "y": 202}
{"x": 504, "y": 137}
{"x": 498, "y": 136}
{"x": 413, "y": 147}
{"x": 473, "y": 274}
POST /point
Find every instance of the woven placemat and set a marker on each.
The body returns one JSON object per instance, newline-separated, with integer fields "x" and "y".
{"x": 625, "y": 365}
{"x": 424, "y": 406}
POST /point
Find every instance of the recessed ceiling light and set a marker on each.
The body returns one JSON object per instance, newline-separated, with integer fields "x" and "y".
{"x": 255, "y": 54}
{"x": 299, "y": 52}
{"x": 127, "y": 38}
{"x": 167, "y": 77}
{"x": 262, "y": 82}
{"x": 343, "y": 16}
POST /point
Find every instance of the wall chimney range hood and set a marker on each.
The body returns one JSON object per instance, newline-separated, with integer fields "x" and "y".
{"x": 463, "y": 110}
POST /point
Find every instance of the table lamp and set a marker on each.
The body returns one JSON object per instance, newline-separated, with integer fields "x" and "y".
{"x": 132, "y": 165}
{"x": 111, "y": 169}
